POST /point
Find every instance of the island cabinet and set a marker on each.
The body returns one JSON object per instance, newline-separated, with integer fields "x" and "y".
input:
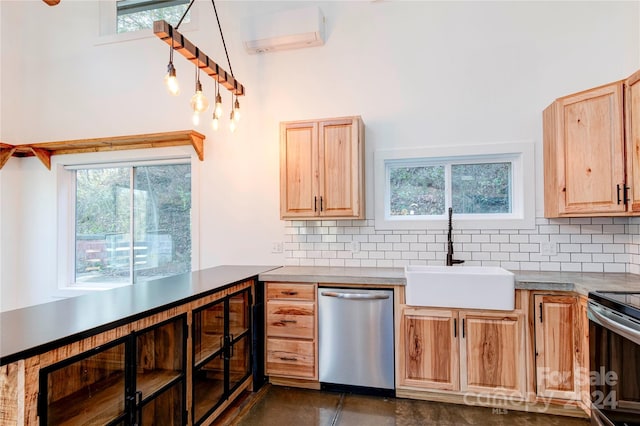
{"x": 137, "y": 379}
{"x": 322, "y": 169}
{"x": 591, "y": 146}
{"x": 221, "y": 351}
{"x": 561, "y": 348}
{"x": 481, "y": 352}
{"x": 183, "y": 362}
{"x": 292, "y": 333}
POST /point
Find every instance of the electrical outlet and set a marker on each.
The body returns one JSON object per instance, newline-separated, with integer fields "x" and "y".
{"x": 548, "y": 249}
{"x": 354, "y": 246}
{"x": 276, "y": 247}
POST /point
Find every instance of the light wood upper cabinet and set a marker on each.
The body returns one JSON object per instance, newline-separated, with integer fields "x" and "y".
{"x": 592, "y": 152}
{"x": 632, "y": 110}
{"x": 298, "y": 169}
{"x": 322, "y": 169}
{"x": 584, "y": 153}
{"x": 558, "y": 347}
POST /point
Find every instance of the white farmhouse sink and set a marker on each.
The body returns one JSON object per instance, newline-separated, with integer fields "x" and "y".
{"x": 470, "y": 287}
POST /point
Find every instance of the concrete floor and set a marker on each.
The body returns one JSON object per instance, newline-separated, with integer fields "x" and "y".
{"x": 282, "y": 406}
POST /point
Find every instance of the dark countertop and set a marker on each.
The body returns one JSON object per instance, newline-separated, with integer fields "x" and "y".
{"x": 33, "y": 330}
{"x": 36, "y": 329}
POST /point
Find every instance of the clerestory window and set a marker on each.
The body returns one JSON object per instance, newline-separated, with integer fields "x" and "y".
{"x": 135, "y": 15}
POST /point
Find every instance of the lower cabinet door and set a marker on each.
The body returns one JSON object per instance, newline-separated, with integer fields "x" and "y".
{"x": 557, "y": 349}
{"x": 239, "y": 361}
{"x": 429, "y": 342}
{"x": 493, "y": 354}
{"x": 160, "y": 364}
{"x": 87, "y": 389}
{"x": 165, "y": 409}
{"x": 138, "y": 379}
{"x": 222, "y": 352}
{"x": 208, "y": 388}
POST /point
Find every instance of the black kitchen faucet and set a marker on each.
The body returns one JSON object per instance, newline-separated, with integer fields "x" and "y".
{"x": 450, "y": 260}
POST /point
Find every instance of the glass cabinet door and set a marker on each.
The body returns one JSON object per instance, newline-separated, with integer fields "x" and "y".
{"x": 221, "y": 351}
{"x": 208, "y": 387}
{"x": 239, "y": 314}
{"x": 164, "y": 409}
{"x": 159, "y": 372}
{"x": 208, "y": 358}
{"x": 86, "y": 389}
{"x": 239, "y": 339}
{"x": 160, "y": 356}
{"x": 208, "y": 331}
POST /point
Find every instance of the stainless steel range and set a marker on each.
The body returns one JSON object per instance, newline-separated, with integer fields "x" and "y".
{"x": 614, "y": 353}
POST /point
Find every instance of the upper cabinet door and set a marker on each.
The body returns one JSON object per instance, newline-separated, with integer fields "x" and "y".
{"x": 299, "y": 170}
{"x": 322, "y": 169}
{"x": 340, "y": 168}
{"x": 632, "y": 100}
{"x": 593, "y": 151}
{"x": 584, "y": 153}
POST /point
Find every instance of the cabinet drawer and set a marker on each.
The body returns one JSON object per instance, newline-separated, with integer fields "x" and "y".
{"x": 291, "y": 319}
{"x": 291, "y": 358}
{"x": 291, "y": 291}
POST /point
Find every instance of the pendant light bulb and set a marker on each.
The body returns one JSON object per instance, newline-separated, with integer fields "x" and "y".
{"x": 218, "y": 106}
{"x": 199, "y": 101}
{"x": 218, "y": 110}
{"x": 232, "y": 124}
{"x": 171, "y": 81}
{"x": 195, "y": 118}
{"x": 215, "y": 123}
{"x": 236, "y": 110}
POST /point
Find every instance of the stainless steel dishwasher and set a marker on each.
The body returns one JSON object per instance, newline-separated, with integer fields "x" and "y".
{"x": 355, "y": 328}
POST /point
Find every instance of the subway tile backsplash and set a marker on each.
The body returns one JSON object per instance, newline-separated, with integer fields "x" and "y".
{"x": 580, "y": 244}
{"x": 633, "y": 245}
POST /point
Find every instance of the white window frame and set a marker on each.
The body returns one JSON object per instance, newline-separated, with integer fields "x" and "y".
{"x": 519, "y": 154}
{"x": 66, "y": 209}
{"x": 108, "y": 28}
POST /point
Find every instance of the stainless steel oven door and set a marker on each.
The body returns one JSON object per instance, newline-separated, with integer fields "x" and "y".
{"x": 614, "y": 354}
{"x": 614, "y": 321}
{"x": 599, "y": 419}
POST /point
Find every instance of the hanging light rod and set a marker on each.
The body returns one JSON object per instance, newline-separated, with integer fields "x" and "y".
{"x": 165, "y": 32}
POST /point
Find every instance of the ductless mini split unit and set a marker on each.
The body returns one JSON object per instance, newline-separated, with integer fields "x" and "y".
{"x": 289, "y": 29}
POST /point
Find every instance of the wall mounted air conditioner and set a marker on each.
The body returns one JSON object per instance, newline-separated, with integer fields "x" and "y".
{"x": 289, "y": 29}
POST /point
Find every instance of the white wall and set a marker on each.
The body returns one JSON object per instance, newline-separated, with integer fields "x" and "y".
{"x": 419, "y": 73}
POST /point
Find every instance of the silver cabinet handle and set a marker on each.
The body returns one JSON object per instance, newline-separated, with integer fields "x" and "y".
{"x": 613, "y": 322}
{"x": 361, "y": 296}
